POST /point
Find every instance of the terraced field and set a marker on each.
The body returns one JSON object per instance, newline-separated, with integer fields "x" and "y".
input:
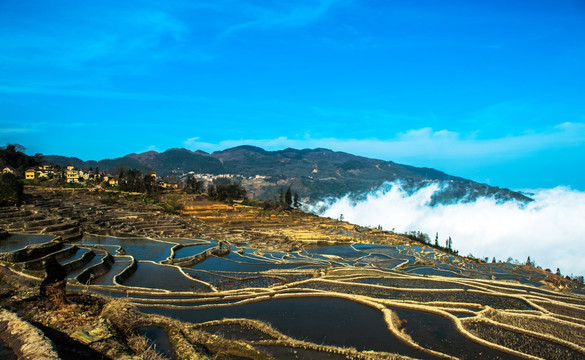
{"x": 232, "y": 281}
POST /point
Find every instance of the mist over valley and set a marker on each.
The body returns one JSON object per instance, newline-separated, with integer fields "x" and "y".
{"x": 550, "y": 228}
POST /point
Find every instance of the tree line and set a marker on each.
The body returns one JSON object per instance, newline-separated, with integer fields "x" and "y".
{"x": 11, "y": 186}
{"x": 132, "y": 180}
{"x": 426, "y": 239}
{"x": 287, "y": 199}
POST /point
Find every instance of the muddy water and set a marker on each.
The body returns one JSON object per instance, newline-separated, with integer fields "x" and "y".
{"x": 329, "y": 321}
{"x": 19, "y": 241}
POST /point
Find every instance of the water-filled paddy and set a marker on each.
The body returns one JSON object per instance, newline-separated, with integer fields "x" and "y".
{"x": 390, "y": 264}
{"x": 140, "y": 248}
{"x": 215, "y": 263}
{"x": 530, "y": 282}
{"x": 284, "y": 352}
{"x": 207, "y": 276}
{"x": 372, "y": 259}
{"x": 76, "y": 255}
{"x": 529, "y": 344}
{"x": 228, "y": 282}
{"x": 160, "y": 341}
{"x": 461, "y": 296}
{"x": 237, "y": 332}
{"x": 254, "y": 254}
{"x": 411, "y": 283}
{"x": 364, "y": 270}
{"x": 246, "y": 258}
{"x": 193, "y": 250}
{"x": 19, "y": 241}
{"x": 368, "y": 247}
{"x": 440, "y": 334}
{"x": 346, "y": 252}
{"x": 252, "y": 282}
{"x": 108, "y": 278}
{"x": 426, "y": 270}
{"x": 496, "y": 268}
{"x": 393, "y": 252}
{"x": 149, "y": 275}
{"x": 330, "y": 321}
{"x": 96, "y": 260}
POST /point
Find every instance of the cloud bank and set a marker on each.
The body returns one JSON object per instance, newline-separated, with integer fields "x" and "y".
{"x": 551, "y": 229}
{"x": 423, "y": 143}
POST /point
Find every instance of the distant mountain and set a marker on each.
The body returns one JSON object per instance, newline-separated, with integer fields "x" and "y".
{"x": 179, "y": 161}
{"x": 170, "y": 162}
{"x": 313, "y": 173}
{"x": 104, "y": 165}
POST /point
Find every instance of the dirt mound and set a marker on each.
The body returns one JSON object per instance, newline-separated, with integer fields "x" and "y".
{"x": 27, "y": 341}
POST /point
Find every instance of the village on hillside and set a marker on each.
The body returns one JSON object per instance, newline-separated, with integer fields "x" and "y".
{"x": 72, "y": 175}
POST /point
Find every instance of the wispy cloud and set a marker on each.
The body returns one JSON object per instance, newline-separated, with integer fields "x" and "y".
{"x": 293, "y": 14}
{"x": 92, "y": 39}
{"x": 17, "y": 131}
{"x": 156, "y": 24}
{"x": 105, "y": 94}
{"x": 14, "y": 132}
{"x": 10, "y": 128}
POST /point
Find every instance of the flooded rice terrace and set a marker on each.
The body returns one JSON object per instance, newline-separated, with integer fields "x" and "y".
{"x": 339, "y": 301}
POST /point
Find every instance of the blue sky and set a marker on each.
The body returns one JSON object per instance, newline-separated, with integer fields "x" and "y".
{"x": 490, "y": 91}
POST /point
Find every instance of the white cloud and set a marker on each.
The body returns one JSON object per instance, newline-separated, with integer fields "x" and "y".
{"x": 279, "y": 143}
{"x": 424, "y": 143}
{"x": 549, "y": 230}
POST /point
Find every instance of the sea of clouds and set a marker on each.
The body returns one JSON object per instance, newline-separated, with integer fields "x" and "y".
{"x": 550, "y": 229}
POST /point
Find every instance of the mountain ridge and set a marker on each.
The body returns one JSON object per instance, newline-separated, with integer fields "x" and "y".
{"x": 314, "y": 173}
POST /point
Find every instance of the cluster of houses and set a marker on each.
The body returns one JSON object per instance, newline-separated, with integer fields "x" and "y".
{"x": 43, "y": 171}
{"x": 79, "y": 176}
{"x": 212, "y": 177}
{"x": 70, "y": 174}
